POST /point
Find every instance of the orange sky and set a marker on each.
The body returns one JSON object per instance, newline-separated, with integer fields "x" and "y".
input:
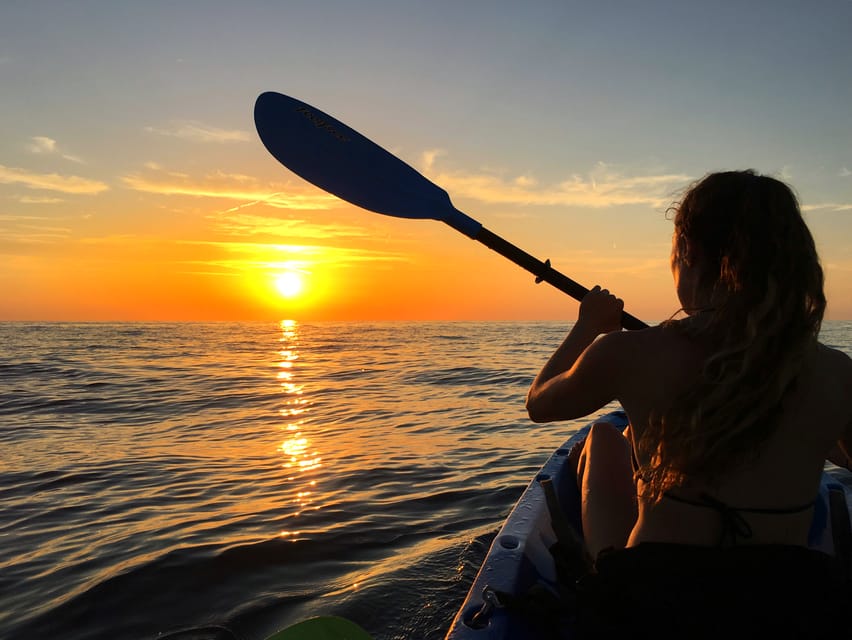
{"x": 182, "y": 257}
{"x": 398, "y": 270}
{"x": 133, "y": 185}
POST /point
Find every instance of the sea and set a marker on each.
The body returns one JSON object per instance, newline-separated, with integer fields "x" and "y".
{"x": 158, "y": 476}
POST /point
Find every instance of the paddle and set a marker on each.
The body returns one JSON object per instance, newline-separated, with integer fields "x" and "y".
{"x": 338, "y": 159}
{"x": 322, "y": 628}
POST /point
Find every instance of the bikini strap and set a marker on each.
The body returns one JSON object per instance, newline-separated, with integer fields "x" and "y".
{"x": 734, "y": 525}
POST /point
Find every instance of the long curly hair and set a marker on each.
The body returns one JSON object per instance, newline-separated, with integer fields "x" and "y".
{"x": 757, "y": 263}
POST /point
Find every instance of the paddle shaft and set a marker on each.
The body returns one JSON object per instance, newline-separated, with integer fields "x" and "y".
{"x": 544, "y": 272}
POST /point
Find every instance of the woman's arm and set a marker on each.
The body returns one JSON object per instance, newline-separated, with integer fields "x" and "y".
{"x": 576, "y": 379}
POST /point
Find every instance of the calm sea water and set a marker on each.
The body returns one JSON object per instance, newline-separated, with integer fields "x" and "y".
{"x": 159, "y": 476}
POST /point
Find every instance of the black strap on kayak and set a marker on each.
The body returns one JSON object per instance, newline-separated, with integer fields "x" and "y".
{"x": 544, "y": 610}
{"x": 572, "y": 558}
{"x": 841, "y": 530}
{"x": 490, "y": 600}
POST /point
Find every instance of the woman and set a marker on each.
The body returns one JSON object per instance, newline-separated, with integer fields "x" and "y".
{"x": 733, "y": 410}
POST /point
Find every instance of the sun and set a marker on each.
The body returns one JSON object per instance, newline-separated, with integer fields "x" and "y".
{"x": 289, "y": 284}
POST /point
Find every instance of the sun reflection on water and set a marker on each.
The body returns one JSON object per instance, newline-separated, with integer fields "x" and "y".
{"x": 299, "y": 457}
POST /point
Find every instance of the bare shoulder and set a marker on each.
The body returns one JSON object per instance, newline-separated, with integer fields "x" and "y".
{"x": 659, "y": 343}
{"x": 627, "y": 345}
{"x": 834, "y": 371}
{"x": 640, "y": 337}
{"x": 835, "y": 363}
{"x": 830, "y": 385}
{"x": 835, "y": 354}
{"x": 650, "y": 359}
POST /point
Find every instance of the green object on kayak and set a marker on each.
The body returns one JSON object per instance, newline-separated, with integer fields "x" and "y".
{"x": 322, "y": 628}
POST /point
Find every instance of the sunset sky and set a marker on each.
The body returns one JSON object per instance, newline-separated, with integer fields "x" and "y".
{"x": 133, "y": 185}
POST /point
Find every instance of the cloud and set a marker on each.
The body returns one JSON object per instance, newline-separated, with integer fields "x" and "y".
{"x": 251, "y": 256}
{"x": 19, "y": 218}
{"x": 51, "y": 181}
{"x": 198, "y": 132}
{"x": 526, "y": 182}
{"x": 35, "y": 236}
{"x": 602, "y": 186}
{"x": 429, "y": 156}
{"x": 38, "y": 200}
{"x": 42, "y": 144}
{"x": 827, "y": 206}
{"x": 242, "y": 224}
{"x": 48, "y": 146}
{"x": 620, "y": 262}
{"x": 228, "y": 186}
{"x": 845, "y": 172}
{"x": 30, "y": 230}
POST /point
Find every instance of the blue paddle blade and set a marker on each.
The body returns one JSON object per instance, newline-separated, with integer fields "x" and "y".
{"x": 322, "y": 628}
{"x": 339, "y": 160}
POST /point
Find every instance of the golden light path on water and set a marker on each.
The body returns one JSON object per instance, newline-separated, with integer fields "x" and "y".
{"x": 298, "y": 456}
{"x": 304, "y": 464}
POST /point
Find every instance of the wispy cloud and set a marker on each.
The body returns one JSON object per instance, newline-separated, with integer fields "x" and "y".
{"x": 253, "y": 256}
{"x": 828, "y": 206}
{"x": 620, "y": 262}
{"x": 428, "y": 158}
{"x": 47, "y": 146}
{"x": 19, "y": 218}
{"x": 30, "y": 230}
{"x": 38, "y": 236}
{"x": 602, "y": 186}
{"x": 198, "y": 132}
{"x": 227, "y": 186}
{"x": 242, "y": 224}
{"x": 51, "y": 181}
{"x": 42, "y": 144}
{"x": 845, "y": 172}
{"x": 37, "y": 199}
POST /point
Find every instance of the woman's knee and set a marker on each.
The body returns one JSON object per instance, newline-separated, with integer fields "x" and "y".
{"x": 608, "y": 439}
{"x": 605, "y": 448}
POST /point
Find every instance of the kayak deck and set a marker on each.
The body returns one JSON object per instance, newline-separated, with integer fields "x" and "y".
{"x": 520, "y": 559}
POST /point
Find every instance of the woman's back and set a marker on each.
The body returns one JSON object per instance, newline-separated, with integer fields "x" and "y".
{"x": 782, "y": 477}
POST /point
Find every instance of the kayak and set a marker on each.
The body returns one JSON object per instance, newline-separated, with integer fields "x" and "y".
{"x": 520, "y": 562}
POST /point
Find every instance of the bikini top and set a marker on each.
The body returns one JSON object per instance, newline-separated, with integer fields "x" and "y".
{"x": 734, "y": 525}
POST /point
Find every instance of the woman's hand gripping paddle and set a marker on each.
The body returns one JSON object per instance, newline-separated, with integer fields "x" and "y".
{"x": 341, "y": 161}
